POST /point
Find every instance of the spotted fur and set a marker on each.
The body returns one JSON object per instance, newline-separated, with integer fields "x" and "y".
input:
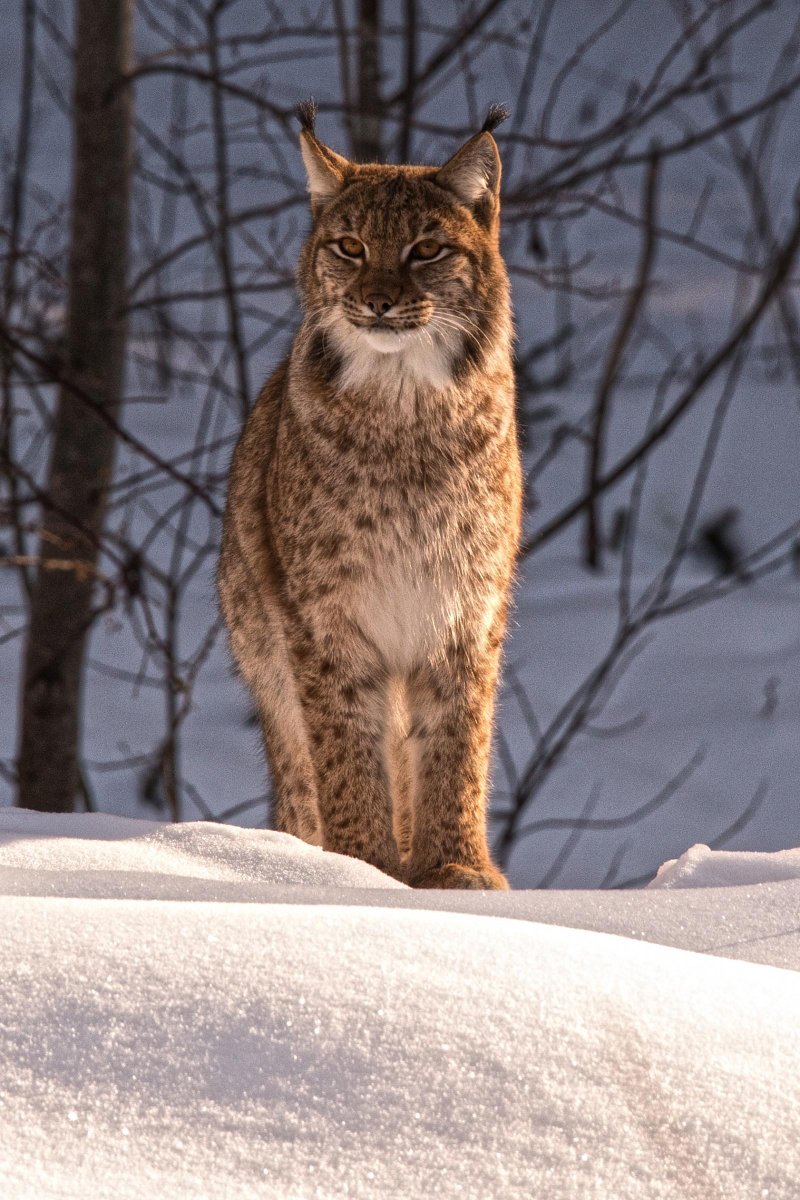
{"x": 373, "y": 518}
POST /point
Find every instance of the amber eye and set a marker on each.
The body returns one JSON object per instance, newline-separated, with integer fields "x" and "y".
{"x": 351, "y": 246}
{"x": 425, "y": 250}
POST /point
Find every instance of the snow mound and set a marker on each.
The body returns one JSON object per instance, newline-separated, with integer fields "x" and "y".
{"x": 702, "y": 867}
{"x": 47, "y": 843}
{"x": 306, "y": 1048}
{"x": 274, "y": 1051}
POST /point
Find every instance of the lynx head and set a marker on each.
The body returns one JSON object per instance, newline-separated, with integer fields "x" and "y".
{"x": 401, "y": 275}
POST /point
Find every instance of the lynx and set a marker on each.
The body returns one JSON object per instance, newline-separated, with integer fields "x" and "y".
{"x": 373, "y": 517}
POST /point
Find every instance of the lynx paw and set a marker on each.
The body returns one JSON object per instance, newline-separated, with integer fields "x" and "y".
{"x": 455, "y": 876}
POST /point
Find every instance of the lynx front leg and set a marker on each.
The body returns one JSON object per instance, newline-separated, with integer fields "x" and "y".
{"x": 345, "y": 704}
{"x": 451, "y": 704}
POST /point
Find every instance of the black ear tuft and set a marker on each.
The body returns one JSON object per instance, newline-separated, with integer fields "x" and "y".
{"x": 495, "y": 116}
{"x": 307, "y": 113}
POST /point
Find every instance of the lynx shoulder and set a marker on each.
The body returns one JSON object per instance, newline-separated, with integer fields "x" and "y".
{"x": 373, "y": 518}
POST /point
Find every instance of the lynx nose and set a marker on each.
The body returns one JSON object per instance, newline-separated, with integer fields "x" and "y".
{"x": 378, "y": 302}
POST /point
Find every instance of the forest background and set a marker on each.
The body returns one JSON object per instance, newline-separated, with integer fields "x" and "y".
{"x": 151, "y": 212}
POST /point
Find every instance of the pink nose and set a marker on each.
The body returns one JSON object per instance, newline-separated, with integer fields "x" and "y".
{"x": 378, "y": 302}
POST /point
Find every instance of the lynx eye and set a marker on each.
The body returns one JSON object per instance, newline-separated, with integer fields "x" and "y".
{"x": 426, "y": 250}
{"x": 351, "y": 247}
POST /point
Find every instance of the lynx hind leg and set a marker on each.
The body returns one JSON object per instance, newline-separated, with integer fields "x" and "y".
{"x": 294, "y": 801}
{"x": 401, "y": 767}
{"x": 259, "y": 647}
{"x": 402, "y": 794}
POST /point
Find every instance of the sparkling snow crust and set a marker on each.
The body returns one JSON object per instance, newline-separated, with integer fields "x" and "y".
{"x": 219, "y": 1048}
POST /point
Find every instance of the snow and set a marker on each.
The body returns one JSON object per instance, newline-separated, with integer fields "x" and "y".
{"x": 88, "y": 842}
{"x": 203, "y": 1012}
{"x": 702, "y": 867}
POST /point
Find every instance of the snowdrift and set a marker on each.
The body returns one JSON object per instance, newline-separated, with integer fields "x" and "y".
{"x": 187, "y": 1012}
{"x": 703, "y": 867}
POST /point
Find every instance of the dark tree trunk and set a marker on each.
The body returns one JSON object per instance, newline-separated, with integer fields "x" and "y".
{"x": 366, "y": 126}
{"x": 409, "y": 71}
{"x": 82, "y": 453}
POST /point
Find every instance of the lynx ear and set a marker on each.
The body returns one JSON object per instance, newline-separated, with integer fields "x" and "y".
{"x": 326, "y": 170}
{"x": 473, "y": 175}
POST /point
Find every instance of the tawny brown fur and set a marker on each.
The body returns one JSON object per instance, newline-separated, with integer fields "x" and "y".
{"x": 373, "y": 520}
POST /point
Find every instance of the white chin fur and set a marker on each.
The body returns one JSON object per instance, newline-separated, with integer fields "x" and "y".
{"x": 418, "y": 358}
{"x": 387, "y": 342}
